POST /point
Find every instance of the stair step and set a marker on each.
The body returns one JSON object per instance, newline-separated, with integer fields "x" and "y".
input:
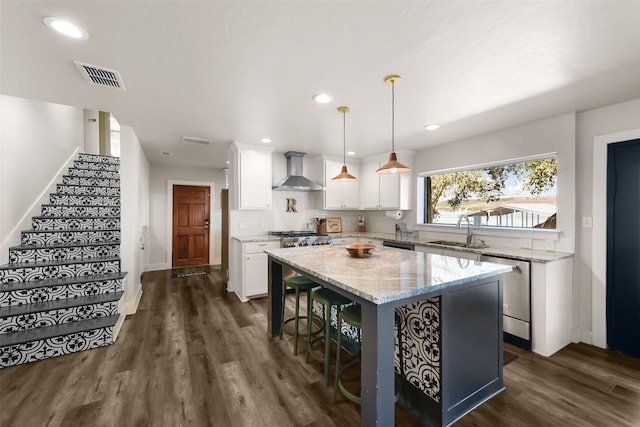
{"x": 80, "y": 180}
{"x": 61, "y": 223}
{"x": 76, "y": 210}
{"x": 84, "y": 200}
{"x": 86, "y": 157}
{"x": 49, "y": 313}
{"x": 24, "y": 272}
{"x": 97, "y": 166}
{"x": 52, "y": 237}
{"x": 43, "y": 343}
{"x": 87, "y": 190}
{"x": 93, "y": 174}
{"x": 18, "y": 293}
{"x": 62, "y": 251}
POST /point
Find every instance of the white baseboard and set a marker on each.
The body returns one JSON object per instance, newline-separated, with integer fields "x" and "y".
{"x": 118, "y": 326}
{"x": 156, "y": 267}
{"x": 132, "y": 306}
{"x": 581, "y": 335}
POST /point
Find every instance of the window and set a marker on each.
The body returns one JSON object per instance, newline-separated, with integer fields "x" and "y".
{"x": 518, "y": 194}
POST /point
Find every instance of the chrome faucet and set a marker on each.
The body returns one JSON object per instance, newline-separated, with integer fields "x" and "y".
{"x": 469, "y": 233}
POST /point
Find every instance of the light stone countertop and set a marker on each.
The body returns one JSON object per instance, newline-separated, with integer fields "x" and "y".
{"x": 389, "y": 274}
{"x": 491, "y": 250}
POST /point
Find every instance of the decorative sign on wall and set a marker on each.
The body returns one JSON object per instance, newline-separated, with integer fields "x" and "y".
{"x": 291, "y": 205}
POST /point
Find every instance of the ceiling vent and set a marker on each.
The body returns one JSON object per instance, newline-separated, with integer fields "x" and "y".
{"x": 191, "y": 140}
{"x": 100, "y": 76}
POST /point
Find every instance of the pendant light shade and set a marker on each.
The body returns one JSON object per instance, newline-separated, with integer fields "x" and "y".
{"x": 393, "y": 165}
{"x": 344, "y": 175}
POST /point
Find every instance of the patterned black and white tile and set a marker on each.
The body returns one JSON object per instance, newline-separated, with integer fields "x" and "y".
{"x": 421, "y": 345}
{"x": 32, "y": 351}
{"x": 59, "y": 293}
{"x": 59, "y": 289}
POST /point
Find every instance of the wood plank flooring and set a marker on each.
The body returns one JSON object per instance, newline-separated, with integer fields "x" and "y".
{"x": 193, "y": 355}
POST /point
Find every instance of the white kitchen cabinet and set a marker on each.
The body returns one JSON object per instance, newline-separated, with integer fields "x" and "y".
{"x": 250, "y": 276}
{"x": 385, "y": 191}
{"x": 251, "y": 176}
{"x": 340, "y": 195}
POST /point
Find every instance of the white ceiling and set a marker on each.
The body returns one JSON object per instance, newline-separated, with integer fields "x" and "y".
{"x": 241, "y": 70}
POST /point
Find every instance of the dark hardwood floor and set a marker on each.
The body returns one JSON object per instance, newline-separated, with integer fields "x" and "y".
{"x": 193, "y": 355}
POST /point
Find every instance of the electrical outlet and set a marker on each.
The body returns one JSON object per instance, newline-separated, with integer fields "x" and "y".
{"x": 587, "y": 222}
{"x": 526, "y": 243}
{"x": 549, "y": 245}
{"x": 242, "y": 225}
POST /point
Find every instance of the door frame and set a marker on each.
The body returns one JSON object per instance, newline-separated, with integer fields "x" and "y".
{"x": 169, "y": 219}
{"x": 599, "y": 233}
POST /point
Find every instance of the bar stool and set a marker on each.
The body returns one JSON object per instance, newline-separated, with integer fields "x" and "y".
{"x": 327, "y": 298}
{"x": 297, "y": 284}
{"x": 352, "y": 316}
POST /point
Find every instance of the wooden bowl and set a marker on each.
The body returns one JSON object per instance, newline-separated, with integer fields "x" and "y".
{"x": 360, "y": 250}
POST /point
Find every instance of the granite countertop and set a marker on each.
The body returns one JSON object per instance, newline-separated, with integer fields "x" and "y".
{"x": 523, "y": 254}
{"x": 257, "y": 238}
{"x": 389, "y": 274}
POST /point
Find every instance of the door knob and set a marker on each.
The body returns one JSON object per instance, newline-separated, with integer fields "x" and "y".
{"x": 206, "y": 223}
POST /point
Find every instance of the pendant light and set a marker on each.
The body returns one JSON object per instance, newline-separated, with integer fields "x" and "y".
{"x": 344, "y": 176}
{"x": 393, "y": 165}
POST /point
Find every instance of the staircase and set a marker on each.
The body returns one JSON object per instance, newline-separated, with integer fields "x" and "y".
{"x": 59, "y": 293}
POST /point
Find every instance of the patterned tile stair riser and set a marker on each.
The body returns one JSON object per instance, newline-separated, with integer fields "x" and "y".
{"x": 87, "y": 190}
{"x": 59, "y": 293}
{"x": 19, "y": 293}
{"x": 42, "y": 223}
{"x": 26, "y": 254}
{"x": 58, "y": 316}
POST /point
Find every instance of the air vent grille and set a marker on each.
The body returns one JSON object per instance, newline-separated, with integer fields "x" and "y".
{"x": 100, "y": 76}
{"x": 192, "y": 140}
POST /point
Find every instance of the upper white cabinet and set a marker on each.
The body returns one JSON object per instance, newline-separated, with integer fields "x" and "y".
{"x": 385, "y": 191}
{"x": 340, "y": 195}
{"x": 251, "y": 182}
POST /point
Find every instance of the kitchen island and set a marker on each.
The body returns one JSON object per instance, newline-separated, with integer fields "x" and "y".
{"x": 461, "y": 303}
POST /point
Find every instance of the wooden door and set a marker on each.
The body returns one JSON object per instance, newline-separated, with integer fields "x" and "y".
{"x": 190, "y": 225}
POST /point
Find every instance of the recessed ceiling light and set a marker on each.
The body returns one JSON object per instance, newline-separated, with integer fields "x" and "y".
{"x": 432, "y": 126}
{"x": 266, "y": 140}
{"x": 351, "y": 153}
{"x": 322, "y": 98}
{"x": 166, "y": 153}
{"x": 65, "y": 27}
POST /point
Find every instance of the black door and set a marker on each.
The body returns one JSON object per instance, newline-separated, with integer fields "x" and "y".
{"x": 623, "y": 247}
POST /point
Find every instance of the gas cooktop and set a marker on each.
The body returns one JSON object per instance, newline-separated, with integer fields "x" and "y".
{"x": 293, "y": 233}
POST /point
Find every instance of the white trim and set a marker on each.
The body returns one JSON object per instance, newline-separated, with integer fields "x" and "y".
{"x": 169, "y": 219}
{"x": 132, "y": 306}
{"x": 491, "y": 164}
{"x": 156, "y": 267}
{"x": 599, "y": 236}
{"x": 118, "y": 326}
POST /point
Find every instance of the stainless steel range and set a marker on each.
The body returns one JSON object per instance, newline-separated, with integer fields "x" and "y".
{"x": 294, "y": 239}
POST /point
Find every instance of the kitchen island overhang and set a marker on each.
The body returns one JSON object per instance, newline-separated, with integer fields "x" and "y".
{"x": 464, "y": 300}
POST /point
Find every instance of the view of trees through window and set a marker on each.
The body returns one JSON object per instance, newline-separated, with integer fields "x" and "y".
{"x": 521, "y": 194}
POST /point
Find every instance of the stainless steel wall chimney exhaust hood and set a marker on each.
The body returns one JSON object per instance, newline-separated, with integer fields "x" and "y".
{"x": 294, "y": 180}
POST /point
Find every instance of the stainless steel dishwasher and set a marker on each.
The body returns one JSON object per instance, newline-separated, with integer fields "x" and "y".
{"x": 516, "y": 301}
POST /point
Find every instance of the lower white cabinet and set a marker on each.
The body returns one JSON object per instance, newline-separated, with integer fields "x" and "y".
{"x": 253, "y": 277}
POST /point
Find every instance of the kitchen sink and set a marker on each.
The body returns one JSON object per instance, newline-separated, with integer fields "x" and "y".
{"x": 458, "y": 244}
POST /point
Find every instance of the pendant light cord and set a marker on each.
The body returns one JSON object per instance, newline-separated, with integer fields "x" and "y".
{"x": 344, "y": 137}
{"x": 393, "y": 116}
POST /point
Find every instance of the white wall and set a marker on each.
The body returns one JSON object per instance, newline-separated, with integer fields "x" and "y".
{"x": 555, "y": 134}
{"x": 159, "y": 176}
{"x": 134, "y": 190}
{"x": 37, "y": 141}
{"x": 590, "y": 124}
